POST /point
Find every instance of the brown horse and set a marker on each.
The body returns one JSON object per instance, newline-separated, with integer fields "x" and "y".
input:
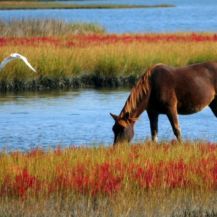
{"x": 167, "y": 90}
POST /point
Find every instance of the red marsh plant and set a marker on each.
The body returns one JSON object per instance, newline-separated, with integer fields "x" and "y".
{"x": 20, "y": 185}
{"x": 60, "y": 61}
{"x": 103, "y": 39}
{"x": 109, "y": 171}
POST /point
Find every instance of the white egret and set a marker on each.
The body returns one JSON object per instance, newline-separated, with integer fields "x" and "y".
{"x": 14, "y": 56}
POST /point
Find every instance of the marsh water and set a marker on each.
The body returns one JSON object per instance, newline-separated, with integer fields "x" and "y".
{"x": 194, "y": 15}
{"x": 81, "y": 117}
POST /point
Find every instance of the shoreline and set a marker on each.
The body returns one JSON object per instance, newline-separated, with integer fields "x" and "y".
{"x": 85, "y": 81}
{"x": 50, "y": 5}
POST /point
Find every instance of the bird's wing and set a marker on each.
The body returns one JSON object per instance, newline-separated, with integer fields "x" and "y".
{"x": 5, "y": 62}
{"x": 26, "y": 62}
{"x": 16, "y": 56}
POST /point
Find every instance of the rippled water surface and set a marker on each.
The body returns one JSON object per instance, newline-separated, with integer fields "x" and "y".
{"x": 194, "y": 15}
{"x": 82, "y": 118}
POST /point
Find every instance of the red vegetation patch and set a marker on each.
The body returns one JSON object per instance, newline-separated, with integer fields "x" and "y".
{"x": 20, "y": 184}
{"x": 78, "y": 170}
{"x": 87, "y": 40}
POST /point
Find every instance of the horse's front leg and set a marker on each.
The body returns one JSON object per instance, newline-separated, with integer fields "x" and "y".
{"x": 173, "y": 118}
{"x": 153, "y": 118}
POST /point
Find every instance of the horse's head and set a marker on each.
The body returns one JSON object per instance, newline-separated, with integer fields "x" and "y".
{"x": 123, "y": 128}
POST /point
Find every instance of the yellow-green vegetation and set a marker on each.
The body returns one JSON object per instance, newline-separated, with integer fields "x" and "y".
{"x": 166, "y": 179}
{"x": 98, "y": 59}
{"x": 46, "y": 27}
{"x": 9, "y": 5}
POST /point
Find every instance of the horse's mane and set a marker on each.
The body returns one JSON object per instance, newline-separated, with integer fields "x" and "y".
{"x": 138, "y": 92}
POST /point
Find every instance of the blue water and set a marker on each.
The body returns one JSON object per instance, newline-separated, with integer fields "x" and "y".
{"x": 194, "y": 15}
{"x": 82, "y": 117}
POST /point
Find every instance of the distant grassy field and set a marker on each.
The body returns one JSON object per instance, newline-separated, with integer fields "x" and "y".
{"x": 166, "y": 179}
{"x": 7, "y": 5}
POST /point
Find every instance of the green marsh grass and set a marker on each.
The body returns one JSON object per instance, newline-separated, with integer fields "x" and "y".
{"x": 83, "y": 58}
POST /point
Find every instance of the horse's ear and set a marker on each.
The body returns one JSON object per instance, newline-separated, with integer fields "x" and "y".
{"x": 115, "y": 117}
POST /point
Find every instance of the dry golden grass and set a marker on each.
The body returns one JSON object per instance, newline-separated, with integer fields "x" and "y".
{"x": 64, "y": 197}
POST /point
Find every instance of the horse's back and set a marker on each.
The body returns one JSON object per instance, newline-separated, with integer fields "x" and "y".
{"x": 192, "y": 87}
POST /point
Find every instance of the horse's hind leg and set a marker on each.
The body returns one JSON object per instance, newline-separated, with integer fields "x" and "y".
{"x": 213, "y": 106}
{"x": 153, "y": 118}
{"x": 173, "y": 118}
